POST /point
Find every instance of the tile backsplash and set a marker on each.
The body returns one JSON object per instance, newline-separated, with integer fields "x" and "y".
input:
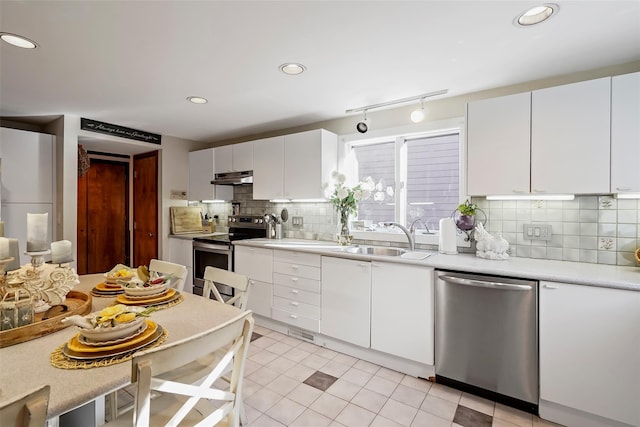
{"x": 593, "y": 229}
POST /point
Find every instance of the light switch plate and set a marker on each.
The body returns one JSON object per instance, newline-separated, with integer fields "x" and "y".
{"x": 178, "y": 195}
{"x": 537, "y": 231}
{"x": 296, "y": 221}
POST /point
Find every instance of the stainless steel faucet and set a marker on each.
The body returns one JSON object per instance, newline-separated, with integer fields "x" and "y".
{"x": 412, "y": 244}
{"x": 412, "y": 229}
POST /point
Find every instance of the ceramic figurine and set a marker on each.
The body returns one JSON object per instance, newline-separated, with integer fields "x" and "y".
{"x": 490, "y": 247}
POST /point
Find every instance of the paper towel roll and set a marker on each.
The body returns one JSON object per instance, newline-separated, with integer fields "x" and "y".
{"x": 447, "y": 239}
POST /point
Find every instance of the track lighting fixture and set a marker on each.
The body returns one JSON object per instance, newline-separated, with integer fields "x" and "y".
{"x": 417, "y": 115}
{"x": 363, "y": 126}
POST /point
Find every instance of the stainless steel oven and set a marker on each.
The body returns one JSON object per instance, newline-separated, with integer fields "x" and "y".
{"x": 217, "y": 251}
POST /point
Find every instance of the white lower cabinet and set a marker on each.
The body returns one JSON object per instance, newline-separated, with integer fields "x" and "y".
{"x": 346, "y": 300}
{"x": 257, "y": 264}
{"x": 590, "y": 351}
{"x": 181, "y": 252}
{"x": 296, "y": 289}
{"x": 402, "y": 311}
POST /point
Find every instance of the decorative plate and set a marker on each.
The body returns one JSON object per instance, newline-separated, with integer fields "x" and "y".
{"x": 118, "y": 331}
{"x": 85, "y": 341}
{"x": 149, "y": 338}
{"x": 124, "y": 299}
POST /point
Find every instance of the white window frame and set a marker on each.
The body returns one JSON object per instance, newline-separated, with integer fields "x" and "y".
{"x": 401, "y": 135}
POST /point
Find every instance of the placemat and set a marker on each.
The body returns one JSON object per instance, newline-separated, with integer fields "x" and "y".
{"x": 59, "y": 360}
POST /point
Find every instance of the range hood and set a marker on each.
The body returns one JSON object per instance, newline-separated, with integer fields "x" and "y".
{"x": 233, "y": 178}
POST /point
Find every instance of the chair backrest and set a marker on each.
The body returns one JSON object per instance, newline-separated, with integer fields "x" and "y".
{"x": 233, "y": 336}
{"x": 166, "y": 267}
{"x": 239, "y": 282}
{"x": 29, "y": 409}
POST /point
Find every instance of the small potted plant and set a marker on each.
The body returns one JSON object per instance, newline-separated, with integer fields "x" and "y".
{"x": 466, "y": 218}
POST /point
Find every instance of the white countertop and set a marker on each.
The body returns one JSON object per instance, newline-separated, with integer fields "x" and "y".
{"x": 608, "y": 276}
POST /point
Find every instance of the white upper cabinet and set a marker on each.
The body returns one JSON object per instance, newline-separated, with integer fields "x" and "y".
{"x": 234, "y": 158}
{"x": 201, "y": 172}
{"x": 570, "y": 138}
{"x": 294, "y": 166}
{"x": 27, "y": 166}
{"x": 498, "y": 145}
{"x": 625, "y": 133}
{"x": 268, "y": 170}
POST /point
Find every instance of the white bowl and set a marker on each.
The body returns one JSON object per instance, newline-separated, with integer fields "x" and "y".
{"x": 138, "y": 291}
{"x": 110, "y": 333}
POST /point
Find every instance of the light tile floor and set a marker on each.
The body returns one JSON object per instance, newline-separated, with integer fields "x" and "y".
{"x": 277, "y": 392}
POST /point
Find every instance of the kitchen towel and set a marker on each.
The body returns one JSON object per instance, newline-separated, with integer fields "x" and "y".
{"x": 447, "y": 239}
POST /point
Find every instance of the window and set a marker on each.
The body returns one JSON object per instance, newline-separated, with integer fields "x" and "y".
{"x": 424, "y": 171}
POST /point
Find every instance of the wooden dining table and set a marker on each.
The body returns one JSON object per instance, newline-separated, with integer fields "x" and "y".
{"x": 27, "y": 365}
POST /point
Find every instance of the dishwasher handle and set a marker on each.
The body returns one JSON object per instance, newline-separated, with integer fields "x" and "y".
{"x": 485, "y": 284}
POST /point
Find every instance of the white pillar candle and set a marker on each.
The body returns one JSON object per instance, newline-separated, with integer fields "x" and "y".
{"x": 37, "y": 232}
{"x": 14, "y": 251}
{"x": 4, "y": 248}
{"x": 60, "y": 252}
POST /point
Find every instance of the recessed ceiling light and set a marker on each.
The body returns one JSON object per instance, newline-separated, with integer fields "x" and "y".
{"x": 292, "y": 68}
{"x": 536, "y": 15}
{"x": 18, "y": 41}
{"x": 197, "y": 100}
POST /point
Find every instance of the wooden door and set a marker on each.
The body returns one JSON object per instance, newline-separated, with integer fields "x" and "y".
{"x": 103, "y": 206}
{"x": 145, "y": 208}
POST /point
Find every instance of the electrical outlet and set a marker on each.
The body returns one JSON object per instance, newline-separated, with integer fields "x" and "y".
{"x": 296, "y": 221}
{"x": 537, "y": 232}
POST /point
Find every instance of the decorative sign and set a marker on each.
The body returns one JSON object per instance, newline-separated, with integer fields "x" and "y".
{"x": 121, "y": 131}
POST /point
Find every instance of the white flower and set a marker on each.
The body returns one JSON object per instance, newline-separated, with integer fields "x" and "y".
{"x": 357, "y": 195}
{"x": 341, "y": 178}
{"x": 342, "y": 193}
{"x": 390, "y": 191}
{"x": 366, "y": 194}
{"x": 334, "y": 174}
{"x": 380, "y": 185}
{"x": 378, "y": 196}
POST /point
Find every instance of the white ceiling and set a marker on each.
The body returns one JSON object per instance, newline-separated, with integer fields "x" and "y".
{"x": 133, "y": 63}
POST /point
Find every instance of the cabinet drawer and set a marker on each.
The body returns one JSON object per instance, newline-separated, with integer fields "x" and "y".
{"x": 293, "y": 269}
{"x": 312, "y": 260}
{"x": 303, "y": 322}
{"x": 310, "y": 285}
{"x": 296, "y": 307}
{"x": 297, "y": 295}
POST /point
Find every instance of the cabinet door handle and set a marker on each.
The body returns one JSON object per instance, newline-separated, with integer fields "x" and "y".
{"x": 363, "y": 264}
{"x": 374, "y": 264}
{"x": 294, "y": 279}
{"x": 293, "y": 303}
{"x": 550, "y": 287}
{"x": 518, "y": 191}
{"x": 623, "y": 188}
{"x": 293, "y": 316}
{"x": 295, "y": 267}
{"x": 537, "y": 190}
{"x": 294, "y": 291}
{"x": 251, "y": 282}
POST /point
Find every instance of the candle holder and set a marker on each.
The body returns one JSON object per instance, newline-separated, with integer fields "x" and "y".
{"x": 37, "y": 258}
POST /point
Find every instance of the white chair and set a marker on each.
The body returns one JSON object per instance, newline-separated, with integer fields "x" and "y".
{"x": 29, "y": 409}
{"x": 196, "y": 404}
{"x": 166, "y": 267}
{"x": 239, "y": 282}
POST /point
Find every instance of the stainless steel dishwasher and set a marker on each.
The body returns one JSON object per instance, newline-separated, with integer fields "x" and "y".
{"x": 486, "y": 337}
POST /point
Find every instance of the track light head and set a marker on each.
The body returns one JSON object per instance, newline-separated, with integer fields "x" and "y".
{"x": 363, "y": 126}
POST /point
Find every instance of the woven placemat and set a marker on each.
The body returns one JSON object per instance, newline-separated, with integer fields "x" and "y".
{"x": 159, "y": 306}
{"x": 60, "y": 360}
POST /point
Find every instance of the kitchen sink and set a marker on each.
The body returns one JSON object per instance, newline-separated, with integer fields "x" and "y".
{"x": 373, "y": 250}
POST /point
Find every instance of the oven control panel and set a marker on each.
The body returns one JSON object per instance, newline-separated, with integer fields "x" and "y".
{"x": 247, "y": 221}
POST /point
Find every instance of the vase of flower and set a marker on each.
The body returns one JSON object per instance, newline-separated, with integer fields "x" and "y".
{"x": 346, "y": 199}
{"x": 344, "y": 232}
